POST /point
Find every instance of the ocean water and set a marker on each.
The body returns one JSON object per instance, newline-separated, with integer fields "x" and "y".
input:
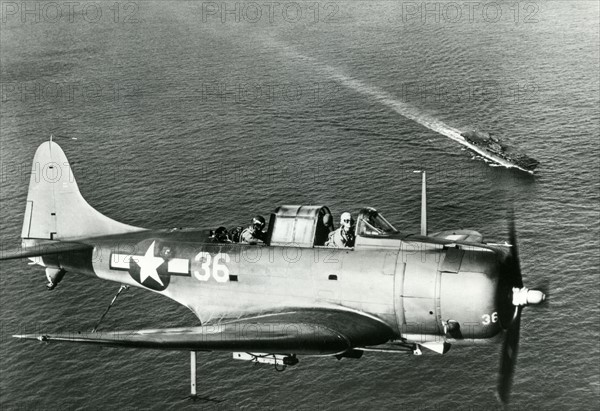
{"x": 200, "y": 114}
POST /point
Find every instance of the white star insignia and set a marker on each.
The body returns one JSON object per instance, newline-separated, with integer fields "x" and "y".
{"x": 148, "y": 265}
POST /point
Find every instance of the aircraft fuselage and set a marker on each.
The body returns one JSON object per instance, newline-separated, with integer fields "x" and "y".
{"x": 423, "y": 291}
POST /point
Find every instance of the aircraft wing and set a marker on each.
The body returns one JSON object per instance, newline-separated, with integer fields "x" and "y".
{"x": 46, "y": 248}
{"x": 316, "y": 332}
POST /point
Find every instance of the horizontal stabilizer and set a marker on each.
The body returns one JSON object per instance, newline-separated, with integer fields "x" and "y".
{"x": 46, "y": 248}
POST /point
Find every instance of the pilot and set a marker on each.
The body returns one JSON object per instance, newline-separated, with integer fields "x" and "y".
{"x": 220, "y": 236}
{"x": 324, "y": 227}
{"x": 344, "y": 235}
{"x": 235, "y": 233}
{"x": 253, "y": 234}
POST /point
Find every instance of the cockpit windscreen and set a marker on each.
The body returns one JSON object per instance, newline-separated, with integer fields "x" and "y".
{"x": 371, "y": 223}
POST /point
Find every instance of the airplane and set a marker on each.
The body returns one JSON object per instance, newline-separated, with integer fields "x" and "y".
{"x": 290, "y": 296}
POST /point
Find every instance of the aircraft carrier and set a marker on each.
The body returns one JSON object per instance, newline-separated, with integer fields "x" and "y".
{"x": 497, "y": 148}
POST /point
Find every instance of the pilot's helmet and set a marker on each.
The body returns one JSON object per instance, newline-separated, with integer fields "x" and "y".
{"x": 258, "y": 222}
{"x": 346, "y": 220}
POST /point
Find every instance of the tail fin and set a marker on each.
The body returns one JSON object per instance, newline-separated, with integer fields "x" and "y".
{"x": 55, "y": 208}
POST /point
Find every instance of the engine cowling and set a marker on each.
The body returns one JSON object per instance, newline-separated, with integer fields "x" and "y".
{"x": 456, "y": 301}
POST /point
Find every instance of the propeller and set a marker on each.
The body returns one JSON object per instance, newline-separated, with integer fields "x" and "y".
{"x": 513, "y": 297}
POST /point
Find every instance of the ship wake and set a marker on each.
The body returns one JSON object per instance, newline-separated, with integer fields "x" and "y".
{"x": 403, "y": 108}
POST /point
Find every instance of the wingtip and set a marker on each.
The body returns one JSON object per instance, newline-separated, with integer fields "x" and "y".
{"x": 43, "y": 338}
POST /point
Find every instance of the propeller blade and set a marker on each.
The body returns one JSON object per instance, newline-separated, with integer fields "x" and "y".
{"x": 514, "y": 252}
{"x": 510, "y": 345}
{"x": 513, "y": 297}
{"x": 508, "y": 360}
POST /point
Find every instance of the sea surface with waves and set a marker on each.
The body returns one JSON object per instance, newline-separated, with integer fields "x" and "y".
{"x": 200, "y": 114}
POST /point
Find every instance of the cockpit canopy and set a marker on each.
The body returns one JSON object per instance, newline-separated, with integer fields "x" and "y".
{"x": 308, "y": 226}
{"x": 300, "y": 226}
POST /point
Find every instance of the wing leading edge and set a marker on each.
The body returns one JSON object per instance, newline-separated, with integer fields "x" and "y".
{"x": 314, "y": 332}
